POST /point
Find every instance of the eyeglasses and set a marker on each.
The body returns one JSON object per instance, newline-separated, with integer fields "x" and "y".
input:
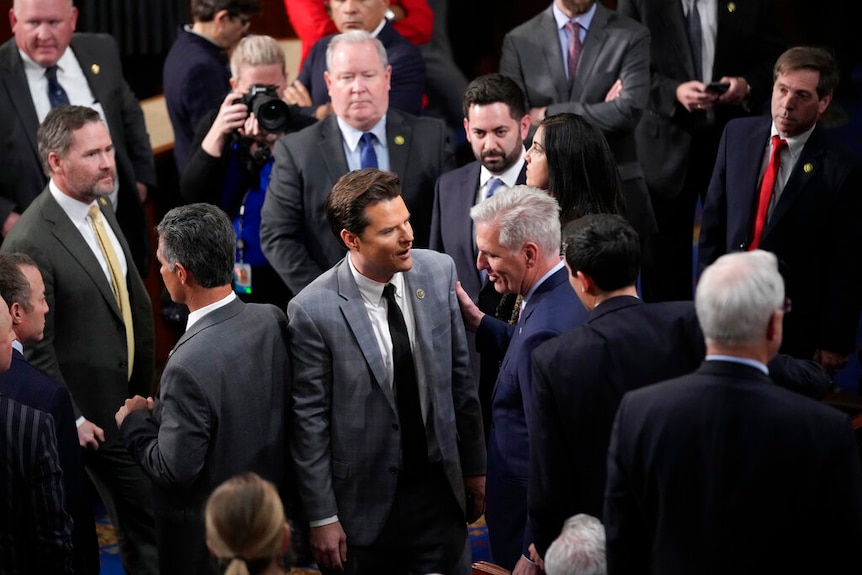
{"x": 244, "y": 19}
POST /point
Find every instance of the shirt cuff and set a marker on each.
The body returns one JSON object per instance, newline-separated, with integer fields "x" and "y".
{"x": 322, "y": 522}
{"x": 80, "y": 421}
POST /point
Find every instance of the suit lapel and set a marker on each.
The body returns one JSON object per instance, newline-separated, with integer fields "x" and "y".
{"x": 593, "y": 45}
{"x": 465, "y": 196}
{"x": 215, "y": 317}
{"x": 332, "y": 149}
{"x": 356, "y": 316}
{"x": 70, "y": 238}
{"x": 811, "y": 157}
{"x": 749, "y": 182}
{"x": 552, "y": 53}
{"x": 90, "y": 66}
{"x": 399, "y": 140}
{"x": 15, "y": 80}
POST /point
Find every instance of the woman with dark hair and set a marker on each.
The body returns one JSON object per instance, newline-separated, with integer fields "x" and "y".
{"x": 572, "y": 160}
{"x": 246, "y": 528}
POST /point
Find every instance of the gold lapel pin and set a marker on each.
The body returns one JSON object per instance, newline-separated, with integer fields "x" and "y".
{"x": 95, "y": 69}
{"x": 420, "y": 293}
{"x": 731, "y": 7}
{"x": 808, "y": 167}
{"x": 399, "y": 140}
{"x": 103, "y": 201}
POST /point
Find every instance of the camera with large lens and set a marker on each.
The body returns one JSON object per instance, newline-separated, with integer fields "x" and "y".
{"x": 271, "y": 112}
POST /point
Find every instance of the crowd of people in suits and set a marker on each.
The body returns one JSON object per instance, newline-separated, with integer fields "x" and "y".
{"x": 381, "y": 347}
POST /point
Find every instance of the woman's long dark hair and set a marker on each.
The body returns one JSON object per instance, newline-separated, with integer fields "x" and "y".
{"x": 582, "y": 172}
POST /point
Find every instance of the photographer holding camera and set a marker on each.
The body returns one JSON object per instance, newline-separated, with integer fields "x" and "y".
{"x": 231, "y": 158}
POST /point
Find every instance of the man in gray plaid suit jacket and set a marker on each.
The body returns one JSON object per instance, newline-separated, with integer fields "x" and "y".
{"x": 379, "y": 501}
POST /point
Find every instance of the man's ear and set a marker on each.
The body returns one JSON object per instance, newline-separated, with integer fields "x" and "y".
{"x": 589, "y": 286}
{"x": 350, "y": 239}
{"x": 15, "y": 311}
{"x": 531, "y": 252}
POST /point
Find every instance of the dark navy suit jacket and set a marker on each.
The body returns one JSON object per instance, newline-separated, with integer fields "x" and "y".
{"x": 407, "y": 85}
{"x": 814, "y": 230}
{"x": 723, "y": 471}
{"x": 553, "y": 309}
{"x": 31, "y": 386}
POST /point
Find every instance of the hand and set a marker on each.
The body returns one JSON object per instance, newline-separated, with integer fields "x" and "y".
{"x": 471, "y": 314}
{"x": 524, "y": 567}
{"x": 136, "y": 403}
{"x": 737, "y": 91}
{"x": 296, "y": 93}
{"x": 615, "y": 91}
{"x": 693, "y": 96}
{"x": 329, "y": 546}
{"x": 475, "y": 484}
{"x": 535, "y": 558}
{"x": 537, "y": 115}
{"x": 11, "y": 220}
{"x": 142, "y": 191}
{"x": 830, "y": 360}
{"x": 90, "y": 435}
{"x": 230, "y": 117}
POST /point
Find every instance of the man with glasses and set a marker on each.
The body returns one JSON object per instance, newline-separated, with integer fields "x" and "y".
{"x": 196, "y": 75}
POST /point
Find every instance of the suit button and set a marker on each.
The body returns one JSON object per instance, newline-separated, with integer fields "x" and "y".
{"x": 393, "y": 470}
{"x": 124, "y": 365}
{"x": 395, "y": 426}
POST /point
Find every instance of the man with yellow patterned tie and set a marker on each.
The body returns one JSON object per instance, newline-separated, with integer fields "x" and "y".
{"x": 99, "y": 330}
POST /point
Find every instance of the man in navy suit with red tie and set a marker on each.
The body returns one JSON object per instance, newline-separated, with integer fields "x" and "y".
{"x": 802, "y": 204}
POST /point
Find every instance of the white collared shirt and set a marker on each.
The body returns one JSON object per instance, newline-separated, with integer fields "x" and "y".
{"x": 78, "y": 213}
{"x": 350, "y": 141}
{"x": 509, "y": 178}
{"x": 198, "y": 314}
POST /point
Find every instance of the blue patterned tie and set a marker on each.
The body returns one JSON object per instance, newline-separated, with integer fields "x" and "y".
{"x": 493, "y": 185}
{"x": 56, "y": 94}
{"x": 367, "y": 155}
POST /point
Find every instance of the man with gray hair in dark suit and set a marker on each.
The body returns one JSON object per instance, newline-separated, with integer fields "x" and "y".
{"x": 220, "y": 407}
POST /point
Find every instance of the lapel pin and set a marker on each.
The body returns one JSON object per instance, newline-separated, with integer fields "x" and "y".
{"x": 808, "y": 167}
{"x": 95, "y": 68}
{"x": 731, "y": 7}
{"x": 399, "y": 140}
{"x": 103, "y": 201}
{"x": 420, "y": 293}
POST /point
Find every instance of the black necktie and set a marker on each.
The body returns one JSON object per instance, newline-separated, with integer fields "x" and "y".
{"x": 414, "y": 445}
{"x": 56, "y": 94}
{"x": 695, "y": 39}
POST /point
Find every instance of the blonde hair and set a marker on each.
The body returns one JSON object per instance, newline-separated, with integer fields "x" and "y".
{"x": 256, "y": 50}
{"x": 245, "y": 524}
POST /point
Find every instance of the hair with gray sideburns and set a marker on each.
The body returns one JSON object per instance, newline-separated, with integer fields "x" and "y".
{"x": 355, "y": 37}
{"x": 522, "y": 214}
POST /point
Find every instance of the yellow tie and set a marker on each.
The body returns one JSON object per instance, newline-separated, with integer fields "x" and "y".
{"x": 121, "y": 291}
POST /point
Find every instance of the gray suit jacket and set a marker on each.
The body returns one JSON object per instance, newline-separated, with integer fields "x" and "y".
{"x": 344, "y": 435}
{"x": 84, "y": 344}
{"x": 294, "y": 233}
{"x": 615, "y": 47}
{"x": 100, "y": 61}
{"x": 219, "y": 412}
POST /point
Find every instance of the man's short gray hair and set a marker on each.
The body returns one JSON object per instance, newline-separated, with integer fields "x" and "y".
{"x": 522, "y": 214}
{"x": 257, "y": 50}
{"x": 355, "y": 37}
{"x": 579, "y": 549}
{"x": 737, "y": 295}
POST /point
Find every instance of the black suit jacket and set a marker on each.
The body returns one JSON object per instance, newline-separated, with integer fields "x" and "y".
{"x": 35, "y": 530}
{"x": 100, "y": 61}
{"x": 814, "y": 230}
{"x": 294, "y": 233}
{"x": 578, "y": 381}
{"x": 722, "y": 471}
{"x": 31, "y": 386}
{"x": 85, "y": 343}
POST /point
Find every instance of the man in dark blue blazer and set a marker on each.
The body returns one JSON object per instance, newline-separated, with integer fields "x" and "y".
{"x": 518, "y": 236}
{"x": 723, "y": 471}
{"x": 811, "y": 216}
{"x": 408, "y": 68}
{"x": 496, "y": 123}
{"x": 21, "y": 286}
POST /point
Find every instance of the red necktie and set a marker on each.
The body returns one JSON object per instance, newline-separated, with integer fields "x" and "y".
{"x": 574, "y": 47}
{"x": 766, "y": 187}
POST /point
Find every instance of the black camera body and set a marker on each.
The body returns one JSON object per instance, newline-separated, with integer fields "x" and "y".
{"x": 272, "y": 114}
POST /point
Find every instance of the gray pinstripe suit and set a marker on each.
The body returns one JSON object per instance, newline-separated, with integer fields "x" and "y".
{"x": 344, "y": 434}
